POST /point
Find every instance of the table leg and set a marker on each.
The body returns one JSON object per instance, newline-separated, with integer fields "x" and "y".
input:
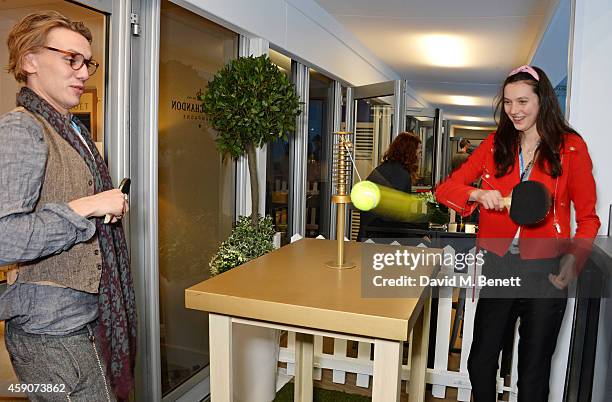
{"x": 418, "y": 358}
{"x": 220, "y": 335}
{"x": 304, "y": 356}
{"x": 387, "y": 371}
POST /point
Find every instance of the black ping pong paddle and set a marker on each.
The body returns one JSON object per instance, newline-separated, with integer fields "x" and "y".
{"x": 529, "y": 202}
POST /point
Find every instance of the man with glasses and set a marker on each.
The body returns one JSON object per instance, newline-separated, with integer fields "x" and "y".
{"x": 70, "y": 324}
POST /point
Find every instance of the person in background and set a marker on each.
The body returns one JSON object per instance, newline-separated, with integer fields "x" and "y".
{"x": 461, "y": 155}
{"x": 69, "y": 307}
{"x": 532, "y": 142}
{"x": 398, "y": 170}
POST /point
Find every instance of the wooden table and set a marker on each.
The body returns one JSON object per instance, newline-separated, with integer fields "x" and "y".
{"x": 291, "y": 288}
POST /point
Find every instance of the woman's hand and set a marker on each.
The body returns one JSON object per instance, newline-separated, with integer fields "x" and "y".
{"x": 111, "y": 202}
{"x": 489, "y": 199}
{"x": 567, "y": 272}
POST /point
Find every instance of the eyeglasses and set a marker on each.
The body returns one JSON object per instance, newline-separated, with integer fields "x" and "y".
{"x": 77, "y": 60}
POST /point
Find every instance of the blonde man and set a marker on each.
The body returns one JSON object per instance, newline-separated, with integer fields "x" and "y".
{"x": 69, "y": 307}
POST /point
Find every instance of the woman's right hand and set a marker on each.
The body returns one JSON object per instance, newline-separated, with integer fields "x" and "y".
{"x": 111, "y": 202}
{"x": 489, "y": 199}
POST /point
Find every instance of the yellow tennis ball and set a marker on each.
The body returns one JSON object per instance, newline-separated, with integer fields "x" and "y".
{"x": 365, "y": 195}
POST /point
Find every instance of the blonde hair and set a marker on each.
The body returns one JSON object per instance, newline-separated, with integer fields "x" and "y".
{"x": 30, "y": 35}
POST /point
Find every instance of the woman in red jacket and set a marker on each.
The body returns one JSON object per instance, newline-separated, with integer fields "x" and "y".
{"x": 532, "y": 142}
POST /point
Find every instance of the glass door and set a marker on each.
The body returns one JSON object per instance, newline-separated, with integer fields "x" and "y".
{"x": 375, "y": 107}
{"x": 320, "y": 120}
{"x": 196, "y": 186}
{"x": 427, "y": 125}
{"x": 278, "y": 168}
{"x": 376, "y": 120}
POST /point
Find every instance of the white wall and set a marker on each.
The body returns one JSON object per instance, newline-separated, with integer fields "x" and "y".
{"x": 590, "y": 87}
{"x": 302, "y": 29}
{"x": 552, "y": 52}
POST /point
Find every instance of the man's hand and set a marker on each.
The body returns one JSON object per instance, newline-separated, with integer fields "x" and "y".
{"x": 489, "y": 199}
{"x": 567, "y": 272}
{"x": 111, "y": 202}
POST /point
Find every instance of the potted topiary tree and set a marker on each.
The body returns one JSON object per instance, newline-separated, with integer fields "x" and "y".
{"x": 250, "y": 103}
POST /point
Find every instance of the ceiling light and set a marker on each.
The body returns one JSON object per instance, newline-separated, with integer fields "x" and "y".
{"x": 444, "y": 50}
{"x": 465, "y": 100}
{"x": 473, "y": 118}
{"x": 469, "y": 118}
{"x": 459, "y": 100}
{"x": 479, "y": 128}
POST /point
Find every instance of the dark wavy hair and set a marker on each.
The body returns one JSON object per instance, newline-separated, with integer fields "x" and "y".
{"x": 550, "y": 123}
{"x": 403, "y": 149}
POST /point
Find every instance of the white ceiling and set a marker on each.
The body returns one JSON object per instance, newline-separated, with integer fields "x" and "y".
{"x": 488, "y": 38}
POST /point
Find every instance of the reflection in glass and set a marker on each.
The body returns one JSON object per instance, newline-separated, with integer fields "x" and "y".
{"x": 373, "y": 132}
{"x": 561, "y": 92}
{"x": 278, "y": 170}
{"x": 373, "y": 129}
{"x": 196, "y": 199}
{"x": 423, "y": 127}
{"x": 343, "y": 109}
{"x": 319, "y": 137}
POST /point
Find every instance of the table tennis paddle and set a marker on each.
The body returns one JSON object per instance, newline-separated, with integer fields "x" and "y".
{"x": 124, "y": 187}
{"x": 529, "y": 202}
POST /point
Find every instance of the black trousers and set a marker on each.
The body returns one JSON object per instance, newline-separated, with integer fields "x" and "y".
{"x": 540, "y": 321}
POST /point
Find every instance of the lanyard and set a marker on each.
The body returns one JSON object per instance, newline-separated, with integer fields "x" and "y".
{"x": 524, "y": 170}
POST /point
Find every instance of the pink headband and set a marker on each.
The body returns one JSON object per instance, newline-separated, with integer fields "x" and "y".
{"x": 526, "y": 69}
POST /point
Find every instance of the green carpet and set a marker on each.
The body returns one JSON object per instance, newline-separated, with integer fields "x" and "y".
{"x": 320, "y": 395}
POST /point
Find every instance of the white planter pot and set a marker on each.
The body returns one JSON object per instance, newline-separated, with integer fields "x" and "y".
{"x": 255, "y": 357}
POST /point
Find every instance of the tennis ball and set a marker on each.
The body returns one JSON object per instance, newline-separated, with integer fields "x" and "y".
{"x": 365, "y": 195}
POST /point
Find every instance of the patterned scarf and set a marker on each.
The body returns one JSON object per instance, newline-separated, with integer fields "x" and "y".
{"x": 116, "y": 301}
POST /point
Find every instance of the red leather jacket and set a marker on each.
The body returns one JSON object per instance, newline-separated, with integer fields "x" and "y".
{"x": 549, "y": 238}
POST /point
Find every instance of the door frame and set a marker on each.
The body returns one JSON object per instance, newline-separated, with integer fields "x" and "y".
{"x": 440, "y": 133}
{"x": 143, "y": 125}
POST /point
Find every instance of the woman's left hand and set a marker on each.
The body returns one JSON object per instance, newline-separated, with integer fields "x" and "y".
{"x": 567, "y": 272}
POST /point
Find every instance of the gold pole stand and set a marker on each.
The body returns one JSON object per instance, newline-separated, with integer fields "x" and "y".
{"x": 342, "y": 169}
